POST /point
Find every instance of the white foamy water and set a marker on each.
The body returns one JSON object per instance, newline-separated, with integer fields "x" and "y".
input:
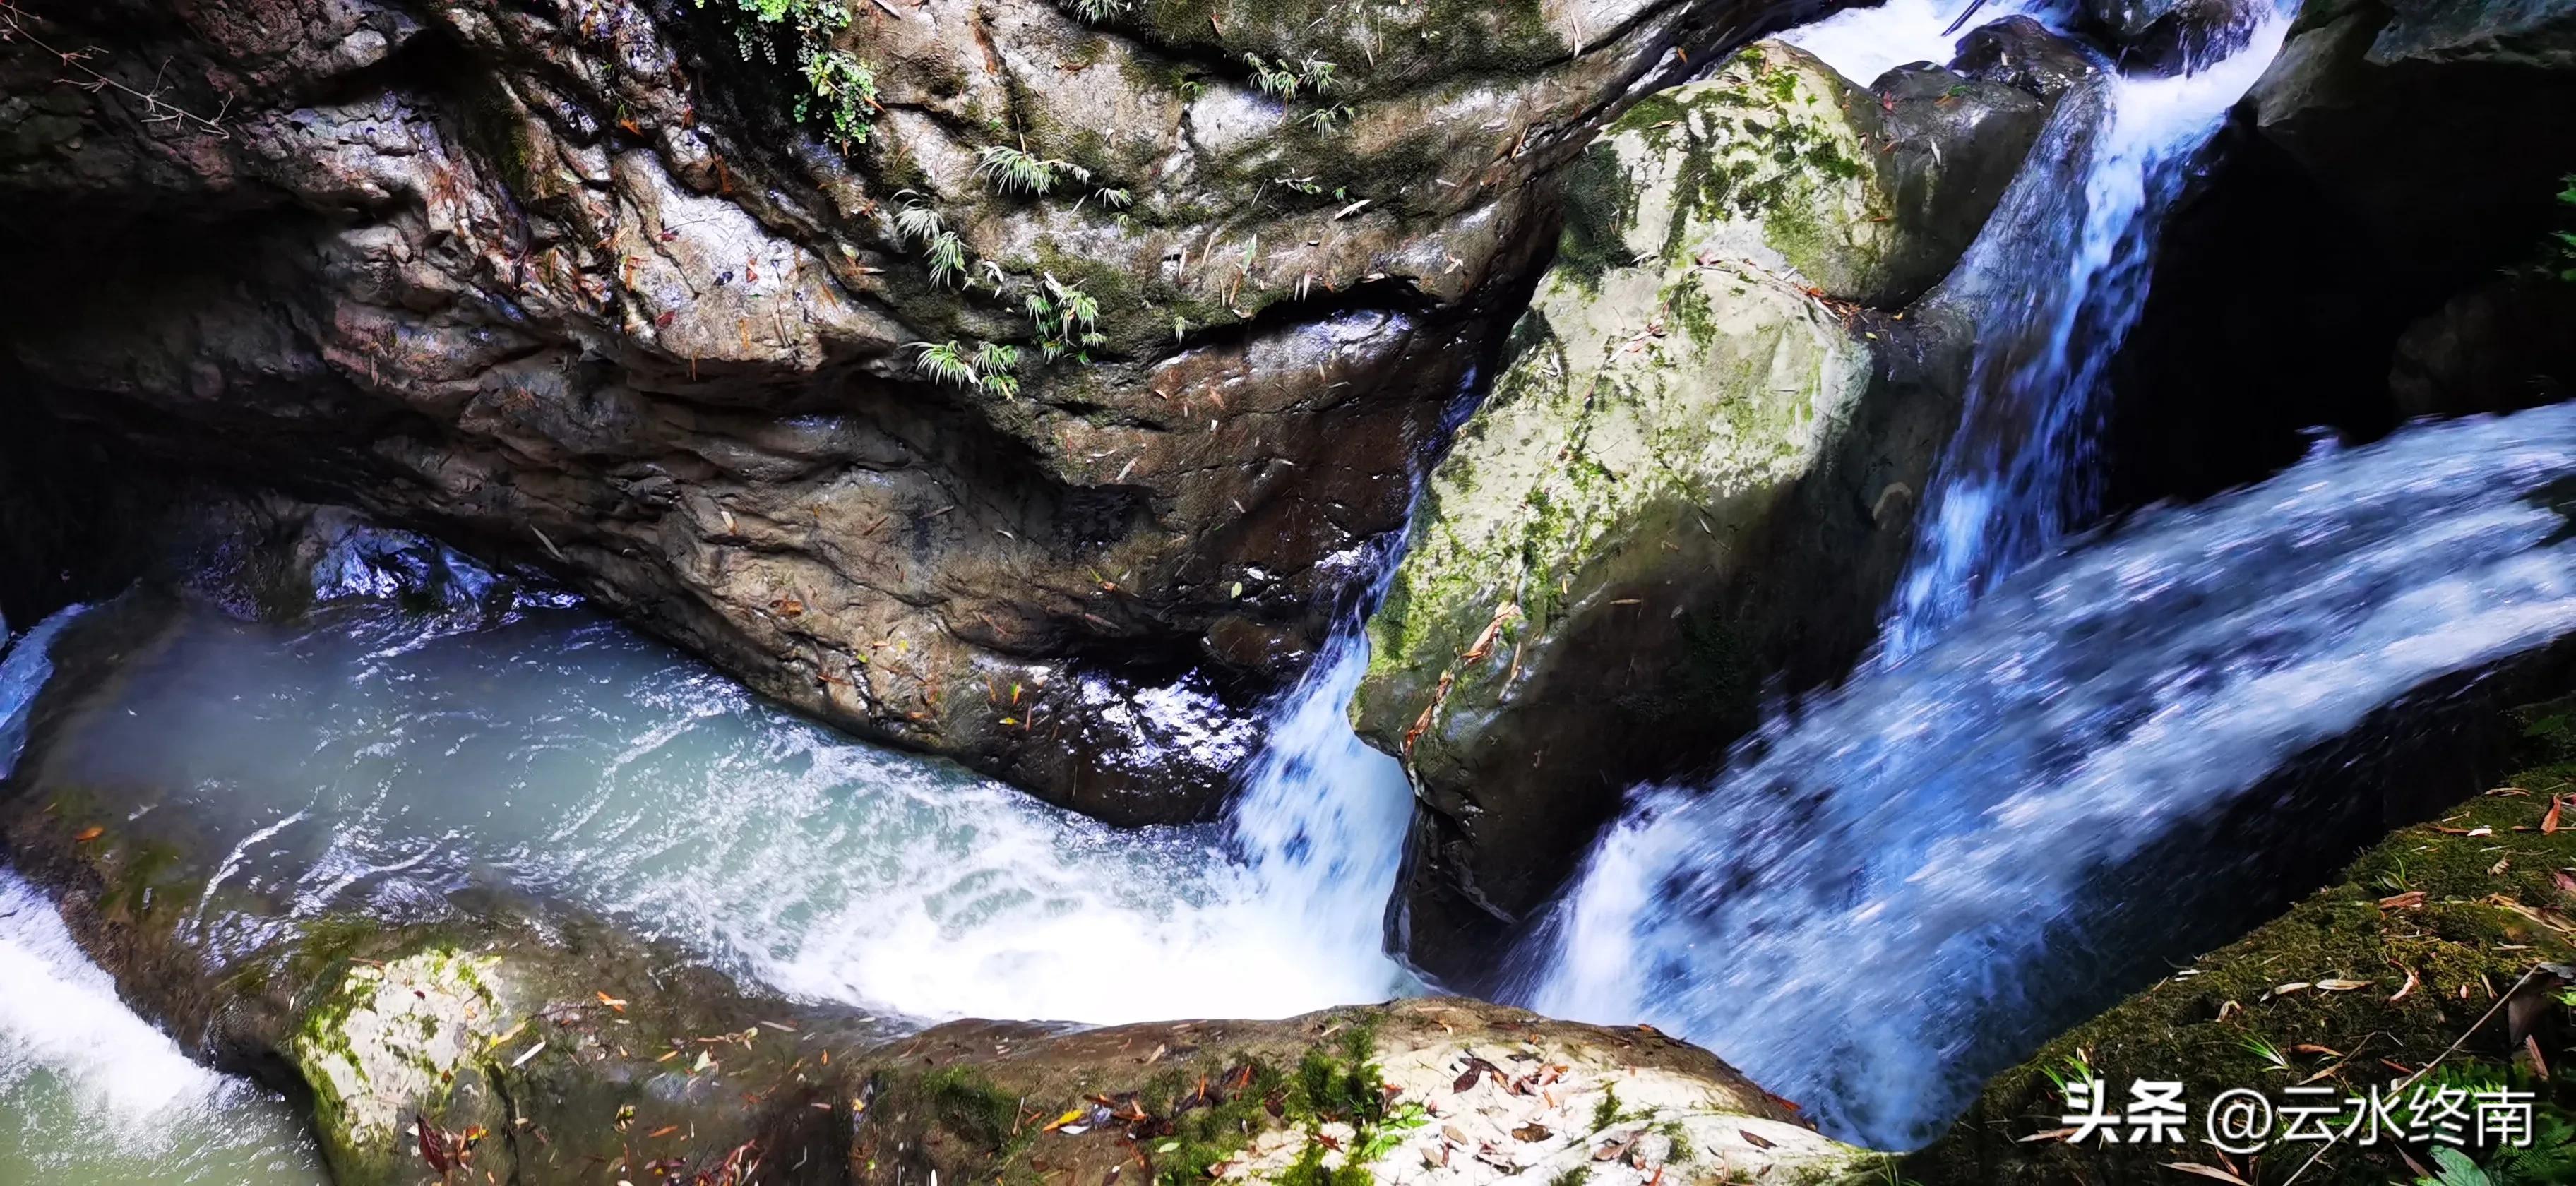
{"x": 1863, "y": 43}
{"x": 364, "y": 757}
{"x": 2055, "y": 283}
{"x": 1930, "y": 870}
{"x": 90, "y": 1092}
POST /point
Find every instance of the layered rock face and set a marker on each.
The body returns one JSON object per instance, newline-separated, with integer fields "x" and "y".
{"x": 960, "y": 372}
{"x": 1698, "y": 468}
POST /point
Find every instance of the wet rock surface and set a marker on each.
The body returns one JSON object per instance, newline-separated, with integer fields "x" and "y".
{"x": 1698, "y": 467}
{"x": 1073, "y": 358}
{"x": 2020, "y": 52}
{"x": 2379, "y": 205}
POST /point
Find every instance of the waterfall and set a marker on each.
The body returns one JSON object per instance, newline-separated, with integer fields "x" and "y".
{"x": 1907, "y": 887}
{"x": 1322, "y": 816}
{"x": 2053, "y": 286}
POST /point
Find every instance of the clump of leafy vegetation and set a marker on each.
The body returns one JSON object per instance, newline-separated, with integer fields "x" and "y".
{"x": 988, "y": 365}
{"x": 1283, "y": 79}
{"x": 1066, "y": 320}
{"x": 1018, "y": 171}
{"x": 1096, "y": 11}
{"x": 838, "y": 89}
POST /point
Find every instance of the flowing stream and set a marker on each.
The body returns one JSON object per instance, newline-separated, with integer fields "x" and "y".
{"x": 1888, "y": 895}
{"x": 371, "y": 754}
{"x": 2054, "y": 286}
{"x": 1899, "y": 891}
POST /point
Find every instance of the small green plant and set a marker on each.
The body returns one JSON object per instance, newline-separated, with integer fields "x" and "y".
{"x": 1278, "y": 80}
{"x": 995, "y": 362}
{"x": 839, "y": 90}
{"x": 1572, "y": 1177}
{"x": 1678, "y": 1143}
{"x": 1018, "y": 171}
{"x": 1606, "y": 1112}
{"x": 2455, "y": 1169}
{"x": 2269, "y": 1053}
{"x": 914, "y": 219}
{"x": 2073, "y": 1068}
{"x": 1096, "y": 11}
{"x": 988, "y": 365}
{"x": 1327, "y": 119}
{"x": 944, "y": 362}
{"x": 1066, "y": 320}
{"x": 947, "y": 257}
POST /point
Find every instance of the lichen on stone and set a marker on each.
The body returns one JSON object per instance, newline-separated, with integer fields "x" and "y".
{"x": 388, "y": 1040}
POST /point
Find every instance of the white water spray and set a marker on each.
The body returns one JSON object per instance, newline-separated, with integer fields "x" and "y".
{"x": 2055, "y": 284}
{"x": 1905, "y": 888}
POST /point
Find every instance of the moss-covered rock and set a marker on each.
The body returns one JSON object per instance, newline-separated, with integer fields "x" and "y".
{"x": 1427, "y": 1092}
{"x": 385, "y": 1043}
{"x": 1692, "y": 410}
{"x": 2399, "y": 966}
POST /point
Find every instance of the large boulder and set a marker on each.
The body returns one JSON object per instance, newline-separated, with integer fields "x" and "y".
{"x": 1698, "y": 468}
{"x": 883, "y": 354}
{"x": 2448, "y": 87}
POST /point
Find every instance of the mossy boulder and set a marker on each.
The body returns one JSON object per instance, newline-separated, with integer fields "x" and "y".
{"x": 1427, "y": 1092}
{"x": 1776, "y": 161}
{"x": 1697, "y": 468}
{"x": 2403, "y": 964}
{"x": 385, "y": 1043}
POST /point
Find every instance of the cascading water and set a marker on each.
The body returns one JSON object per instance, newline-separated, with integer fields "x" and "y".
{"x": 2054, "y": 286}
{"x": 375, "y": 756}
{"x": 93, "y": 1093}
{"x": 1906, "y": 887}
{"x": 365, "y": 756}
{"x": 1882, "y": 901}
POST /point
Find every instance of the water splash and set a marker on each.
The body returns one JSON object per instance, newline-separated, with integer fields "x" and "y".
{"x": 1863, "y": 43}
{"x": 376, "y": 757}
{"x": 2054, "y": 285}
{"x": 1917, "y": 881}
{"x": 93, "y": 1092}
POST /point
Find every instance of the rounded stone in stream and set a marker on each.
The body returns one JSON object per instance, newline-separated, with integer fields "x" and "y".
{"x": 1697, "y": 468}
{"x": 2018, "y": 51}
{"x": 2194, "y": 34}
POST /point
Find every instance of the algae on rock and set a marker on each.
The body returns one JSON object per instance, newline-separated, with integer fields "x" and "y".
{"x": 2402, "y": 964}
{"x": 1700, "y": 404}
{"x": 386, "y": 1042}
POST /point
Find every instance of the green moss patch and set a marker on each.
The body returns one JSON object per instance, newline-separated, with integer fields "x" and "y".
{"x": 2359, "y": 986}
